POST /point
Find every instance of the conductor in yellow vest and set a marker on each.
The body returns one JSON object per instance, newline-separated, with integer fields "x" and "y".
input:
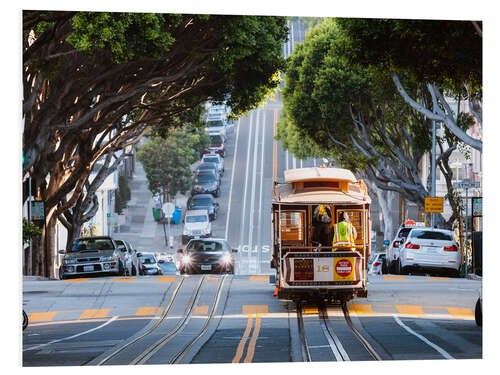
{"x": 344, "y": 234}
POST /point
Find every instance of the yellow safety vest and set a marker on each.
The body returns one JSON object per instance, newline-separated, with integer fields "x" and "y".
{"x": 343, "y": 235}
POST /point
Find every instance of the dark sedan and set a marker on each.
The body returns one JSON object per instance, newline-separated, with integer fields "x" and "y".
{"x": 206, "y": 182}
{"x": 204, "y": 202}
{"x": 207, "y": 255}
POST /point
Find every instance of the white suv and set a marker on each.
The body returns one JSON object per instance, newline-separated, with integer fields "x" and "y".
{"x": 196, "y": 225}
{"x": 429, "y": 248}
{"x": 393, "y": 249}
{"x": 214, "y": 158}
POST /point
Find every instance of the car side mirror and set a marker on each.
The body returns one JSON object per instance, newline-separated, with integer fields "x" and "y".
{"x": 161, "y": 261}
{"x": 62, "y": 252}
{"x": 139, "y": 255}
{"x": 234, "y": 250}
{"x": 123, "y": 250}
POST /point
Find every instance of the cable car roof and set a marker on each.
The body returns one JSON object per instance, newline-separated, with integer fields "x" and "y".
{"x": 318, "y": 174}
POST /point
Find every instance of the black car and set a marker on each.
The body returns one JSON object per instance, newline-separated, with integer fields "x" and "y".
{"x": 207, "y": 255}
{"x": 206, "y": 182}
{"x": 204, "y": 202}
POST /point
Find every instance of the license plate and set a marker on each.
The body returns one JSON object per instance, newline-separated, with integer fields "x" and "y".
{"x": 88, "y": 268}
{"x": 206, "y": 267}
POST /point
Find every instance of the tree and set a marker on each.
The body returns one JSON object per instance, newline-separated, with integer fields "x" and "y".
{"x": 167, "y": 162}
{"x": 446, "y": 56}
{"x": 94, "y": 82}
{"x": 354, "y": 111}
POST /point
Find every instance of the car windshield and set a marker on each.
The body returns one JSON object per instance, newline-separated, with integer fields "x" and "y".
{"x": 92, "y": 244}
{"x": 431, "y": 235}
{"x": 196, "y": 218}
{"x": 205, "y": 177}
{"x": 148, "y": 259}
{"x": 212, "y": 160}
{"x": 207, "y": 166}
{"x": 169, "y": 267}
{"x": 215, "y": 123}
{"x": 201, "y": 202}
{"x": 204, "y": 246}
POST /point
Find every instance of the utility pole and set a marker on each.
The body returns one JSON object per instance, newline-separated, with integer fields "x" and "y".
{"x": 30, "y": 272}
{"x": 433, "y": 170}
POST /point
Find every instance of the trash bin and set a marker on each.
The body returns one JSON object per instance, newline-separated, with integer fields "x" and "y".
{"x": 176, "y": 216}
{"x": 156, "y": 213}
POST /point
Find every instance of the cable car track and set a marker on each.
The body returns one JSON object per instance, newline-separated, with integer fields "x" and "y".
{"x": 334, "y": 342}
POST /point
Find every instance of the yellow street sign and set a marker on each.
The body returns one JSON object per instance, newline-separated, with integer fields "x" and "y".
{"x": 434, "y": 204}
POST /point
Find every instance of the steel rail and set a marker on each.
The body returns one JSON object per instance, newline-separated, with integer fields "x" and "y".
{"x": 306, "y": 355}
{"x": 360, "y": 337}
{"x": 178, "y": 357}
{"x": 149, "y": 352}
{"x": 335, "y": 345}
{"x": 150, "y": 330}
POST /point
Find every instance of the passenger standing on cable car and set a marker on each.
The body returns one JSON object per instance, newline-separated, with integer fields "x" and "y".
{"x": 322, "y": 218}
{"x": 344, "y": 234}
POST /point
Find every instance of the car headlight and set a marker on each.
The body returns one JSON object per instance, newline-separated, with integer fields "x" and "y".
{"x": 69, "y": 260}
{"x": 186, "y": 259}
{"x": 226, "y": 258}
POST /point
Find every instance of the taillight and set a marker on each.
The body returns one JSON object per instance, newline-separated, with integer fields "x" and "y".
{"x": 376, "y": 264}
{"x": 395, "y": 244}
{"x": 410, "y": 245}
{"x": 450, "y": 248}
{"x": 143, "y": 267}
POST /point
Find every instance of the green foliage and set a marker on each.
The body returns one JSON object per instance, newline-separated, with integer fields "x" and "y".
{"x": 312, "y": 21}
{"x": 30, "y": 230}
{"x": 448, "y": 53}
{"x": 167, "y": 161}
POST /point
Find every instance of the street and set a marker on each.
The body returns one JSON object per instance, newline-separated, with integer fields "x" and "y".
{"x": 215, "y": 318}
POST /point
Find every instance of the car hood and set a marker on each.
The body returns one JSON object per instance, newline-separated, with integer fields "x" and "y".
{"x": 196, "y": 226}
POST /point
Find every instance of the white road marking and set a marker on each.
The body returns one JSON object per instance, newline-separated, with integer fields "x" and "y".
{"x": 441, "y": 351}
{"x": 72, "y": 337}
{"x": 253, "y": 181}
{"x": 232, "y": 179}
{"x": 246, "y": 179}
{"x": 263, "y": 144}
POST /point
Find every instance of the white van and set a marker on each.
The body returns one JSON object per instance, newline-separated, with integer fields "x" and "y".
{"x": 196, "y": 225}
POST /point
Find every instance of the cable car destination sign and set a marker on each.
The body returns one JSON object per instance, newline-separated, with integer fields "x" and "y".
{"x": 434, "y": 204}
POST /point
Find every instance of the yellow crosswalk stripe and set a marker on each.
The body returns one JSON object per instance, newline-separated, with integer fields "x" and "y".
{"x": 433, "y": 278}
{"x": 121, "y": 279}
{"x": 392, "y": 277}
{"x": 81, "y": 280}
{"x": 460, "y": 312}
{"x": 201, "y": 310}
{"x": 148, "y": 311}
{"x": 255, "y": 309}
{"x": 361, "y": 309}
{"x": 259, "y": 278}
{"x": 410, "y": 310}
{"x": 310, "y": 310}
{"x": 42, "y": 316}
{"x": 166, "y": 279}
{"x": 94, "y": 313}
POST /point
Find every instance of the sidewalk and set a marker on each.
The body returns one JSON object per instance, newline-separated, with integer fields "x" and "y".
{"x": 140, "y": 229}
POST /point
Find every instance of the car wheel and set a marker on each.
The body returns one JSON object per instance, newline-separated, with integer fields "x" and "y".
{"x": 121, "y": 269}
{"x": 61, "y": 274}
{"x": 397, "y": 267}
{"x": 216, "y": 193}
{"x": 25, "y": 320}
{"x": 384, "y": 268}
{"x": 134, "y": 271}
{"x": 478, "y": 314}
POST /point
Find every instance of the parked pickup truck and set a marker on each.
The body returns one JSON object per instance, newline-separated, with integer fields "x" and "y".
{"x": 92, "y": 255}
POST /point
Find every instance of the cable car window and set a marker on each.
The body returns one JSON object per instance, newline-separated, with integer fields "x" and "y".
{"x": 292, "y": 226}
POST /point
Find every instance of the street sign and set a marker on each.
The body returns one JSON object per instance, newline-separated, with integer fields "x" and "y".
{"x": 466, "y": 184}
{"x": 37, "y": 210}
{"x": 434, "y": 204}
{"x": 477, "y": 206}
{"x": 168, "y": 209}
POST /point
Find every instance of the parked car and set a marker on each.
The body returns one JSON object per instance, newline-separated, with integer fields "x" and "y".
{"x": 196, "y": 225}
{"x": 376, "y": 263}
{"x": 216, "y": 145}
{"x": 206, "y": 182}
{"x": 216, "y": 124}
{"x": 130, "y": 257}
{"x": 430, "y": 249}
{"x": 214, "y": 158}
{"x": 392, "y": 251}
{"x": 148, "y": 264}
{"x": 168, "y": 267}
{"x": 207, "y": 255}
{"x": 92, "y": 255}
{"x": 208, "y": 167}
{"x": 204, "y": 202}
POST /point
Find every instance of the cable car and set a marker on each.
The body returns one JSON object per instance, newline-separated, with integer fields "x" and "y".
{"x": 306, "y": 266}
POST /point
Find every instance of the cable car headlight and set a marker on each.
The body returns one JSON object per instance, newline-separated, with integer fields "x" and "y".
{"x": 226, "y": 258}
{"x": 186, "y": 259}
